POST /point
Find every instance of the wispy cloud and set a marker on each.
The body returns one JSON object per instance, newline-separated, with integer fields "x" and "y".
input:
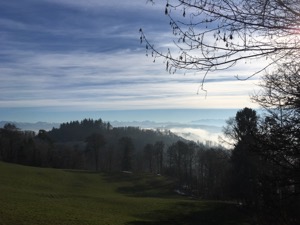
{"x": 86, "y": 54}
{"x": 117, "y": 77}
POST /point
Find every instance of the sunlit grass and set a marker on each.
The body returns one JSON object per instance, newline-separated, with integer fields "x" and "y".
{"x": 39, "y": 196}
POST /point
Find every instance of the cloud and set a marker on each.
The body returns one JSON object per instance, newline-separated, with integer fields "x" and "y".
{"x": 116, "y": 80}
{"x": 85, "y": 55}
{"x": 200, "y": 135}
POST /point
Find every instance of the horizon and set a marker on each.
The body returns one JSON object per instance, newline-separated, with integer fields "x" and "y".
{"x": 83, "y": 58}
{"x": 153, "y": 115}
{"x": 192, "y": 124}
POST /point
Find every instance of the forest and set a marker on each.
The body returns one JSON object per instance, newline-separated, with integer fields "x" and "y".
{"x": 260, "y": 171}
{"x": 210, "y": 37}
{"x": 89, "y": 144}
{"x": 259, "y": 174}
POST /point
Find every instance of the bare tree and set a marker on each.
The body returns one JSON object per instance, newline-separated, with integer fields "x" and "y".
{"x": 212, "y": 35}
{"x": 95, "y": 143}
{"x": 280, "y": 96}
{"x": 281, "y": 89}
{"x": 278, "y": 139}
{"x": 159, "y": 155}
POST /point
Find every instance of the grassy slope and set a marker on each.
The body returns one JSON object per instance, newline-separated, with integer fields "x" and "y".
{"x": 48, "y": 196}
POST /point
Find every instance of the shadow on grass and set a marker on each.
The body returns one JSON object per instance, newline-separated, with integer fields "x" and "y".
{"x": 117, "y": 177}
{"x": 142, "y": 185}
{"x": 81, "y": 171}
{"x": 195, "y": 212}
{"x": 183, "y": 211}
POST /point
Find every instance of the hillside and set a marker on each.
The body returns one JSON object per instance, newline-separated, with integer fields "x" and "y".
{"x": 32, "y": 126}
{"x": 37, "y": 196}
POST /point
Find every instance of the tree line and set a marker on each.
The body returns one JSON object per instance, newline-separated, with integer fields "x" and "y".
{"x": 96, "y": 145}
{"x": 215, "y": 35}
{"x": 266, "y": 149}
{"x": 261, "y": 171}
{"x": 78, "y": 145}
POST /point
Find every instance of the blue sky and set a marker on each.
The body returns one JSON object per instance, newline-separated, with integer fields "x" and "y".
{"x": 72, "y": 59}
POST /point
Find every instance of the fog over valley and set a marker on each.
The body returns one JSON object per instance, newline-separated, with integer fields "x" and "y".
{"x": 203, "y": 131}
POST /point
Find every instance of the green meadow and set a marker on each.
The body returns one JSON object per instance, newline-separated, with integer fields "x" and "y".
{"x": 40, "y": 196}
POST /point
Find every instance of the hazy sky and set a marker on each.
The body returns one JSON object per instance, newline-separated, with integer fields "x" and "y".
{"x": 80, "y": 57}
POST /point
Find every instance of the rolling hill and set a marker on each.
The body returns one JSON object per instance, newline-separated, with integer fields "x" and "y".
{"x": 42, "y": 196}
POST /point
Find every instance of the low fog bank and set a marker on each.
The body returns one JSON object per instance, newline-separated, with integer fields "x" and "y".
{"x": 203, "y": 131}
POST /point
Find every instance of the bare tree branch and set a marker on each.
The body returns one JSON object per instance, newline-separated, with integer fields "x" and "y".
{"x": 213, "y": 35}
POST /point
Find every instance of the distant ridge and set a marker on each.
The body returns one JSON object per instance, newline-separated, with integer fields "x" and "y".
{"x": 210, "y": 122}
{"x": 32, "y": 126}
{"x": 198, "y": 130}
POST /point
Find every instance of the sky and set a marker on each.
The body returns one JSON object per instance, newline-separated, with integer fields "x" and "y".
{"x": 63, "y": 60}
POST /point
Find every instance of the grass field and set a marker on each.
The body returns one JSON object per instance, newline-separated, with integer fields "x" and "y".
{"x": 39, "y": 196}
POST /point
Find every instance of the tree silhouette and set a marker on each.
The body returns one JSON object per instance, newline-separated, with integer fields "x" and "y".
{"x": 149, "y": 156}
{"x": 159, "y": 156}
{"x": 212, "y": 35}
{"x": 94, "y": 143}
{"x": 278, "y": 139}
{"x": 10, "y": 137}
{"x": 127, "y": 148}
{"x": 243, "y": 129}
{"x": 242, "y": 126}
